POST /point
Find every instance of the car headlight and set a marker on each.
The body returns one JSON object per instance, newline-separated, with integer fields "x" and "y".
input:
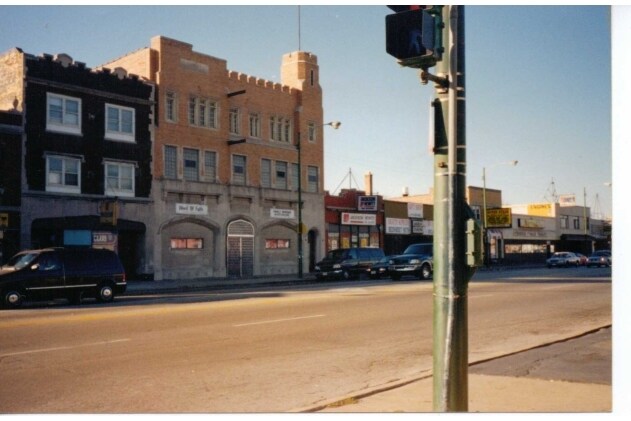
{"x": 317, "y": 267}
{"x": 391, "y": 262}
{"x": 337, "y": 266}
{"x": 415, "y": 261}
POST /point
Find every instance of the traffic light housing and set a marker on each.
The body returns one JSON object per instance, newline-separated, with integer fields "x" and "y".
{"x": 414, "y": 35}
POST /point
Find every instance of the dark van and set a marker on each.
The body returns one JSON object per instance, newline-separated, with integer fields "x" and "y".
{"x": 70, "y": 273}
{"x": 347, "y": 263}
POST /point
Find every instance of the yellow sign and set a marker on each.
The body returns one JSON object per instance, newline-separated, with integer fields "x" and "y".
{"x": 540, "y": 209}
{"x": 4, "y": 220}
{"x": 499, "y": 218}
{"x": 108, "y": 212}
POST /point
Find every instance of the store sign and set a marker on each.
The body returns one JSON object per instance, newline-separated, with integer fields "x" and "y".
{"x": 367, "y": 203}
{"x": 499, "y": 218}
{"x": 358, "y": 219}
{"x": 566, "y": 200}
{"x": 190, "y": 209}
{"x": 282, "y": 213}
{"x": 540, "y": 209}
{"x": 415, "y": 210}
{"x": 427, "y": 227}
{"x": 398, "y": 226}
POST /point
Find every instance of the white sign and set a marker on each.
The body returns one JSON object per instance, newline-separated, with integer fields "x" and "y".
{"x": 428, "y": 227}
{"x": 566, "y": 200}
{"x": 415, "y": 210}
{"x": 397, "y": 226}
{"x": 358, "y": 219}
{"x": 190, "y": 209}
{"x": 282, "y": 213}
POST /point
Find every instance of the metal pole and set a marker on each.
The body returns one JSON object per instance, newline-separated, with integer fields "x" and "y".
{"x": 299, "y": 208}
{"x": 451, "y": 273}
{"x": 484, "y": 233}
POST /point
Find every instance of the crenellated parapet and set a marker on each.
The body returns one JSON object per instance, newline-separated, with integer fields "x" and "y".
{"x": 254, "y": 81}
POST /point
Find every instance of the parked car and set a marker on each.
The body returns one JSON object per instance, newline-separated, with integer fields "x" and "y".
{"x": 599, "y": 258}
{"x": 347, "y": 263}
{"x": 563, "y": 258}
{"x": 416, "y": 260}
{"x": 582, "y": 259}
{"x": 380, "y": 269}
{"x": 61, "y": 273}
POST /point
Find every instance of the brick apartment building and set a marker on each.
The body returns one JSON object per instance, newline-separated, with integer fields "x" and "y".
{"x": 226, "y": 163}
{"x": 83, "y": 155}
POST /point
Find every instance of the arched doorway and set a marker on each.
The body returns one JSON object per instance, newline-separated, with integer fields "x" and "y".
{"x": 240, "y": 252}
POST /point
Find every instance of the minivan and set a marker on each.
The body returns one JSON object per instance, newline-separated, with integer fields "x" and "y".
{"x": 347, "y": 263}
{"x": 72, "y": 273}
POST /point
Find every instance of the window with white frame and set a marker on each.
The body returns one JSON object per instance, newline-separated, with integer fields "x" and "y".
{"x": 63, "y": 174}
{"x": 202, "y": 112}
{"x": 119, "y": 123}
{"x": 170, "y": 107}
{"x": 313, "y": 180}
{"x": 266, "y": 173}
{"x": 255, "y": 125}
{"x": 311, "y": 132}
{"x": 239, "y": 175}
{"x": 272, "y": 129}
{"x": 286, "y": 137}
{"x": 294, "y": 176}
{"x": 63, "y": 114}
{"x": 191, "y": 164}
{"x": 210, "y": 165}
{"x": 235, "y": 121}
{"x": 119, "y": 179}
{"x": 170, "y": 162}
{"x": 281, "y": 175}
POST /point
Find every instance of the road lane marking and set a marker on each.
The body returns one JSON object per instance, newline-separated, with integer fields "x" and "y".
{"x": 62, "y": 348}
{"x": 280, "y": 320}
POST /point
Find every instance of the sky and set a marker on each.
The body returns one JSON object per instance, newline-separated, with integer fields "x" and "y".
{"x": 538, "y": 85}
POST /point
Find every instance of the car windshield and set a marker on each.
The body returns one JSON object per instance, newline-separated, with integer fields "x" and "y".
{"x": 21, "y": 260}
{"x": 336, "y": 254}
{"x": 419, "y": 249}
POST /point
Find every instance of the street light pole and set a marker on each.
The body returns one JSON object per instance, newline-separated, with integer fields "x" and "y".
{"x": 335, "y": 125}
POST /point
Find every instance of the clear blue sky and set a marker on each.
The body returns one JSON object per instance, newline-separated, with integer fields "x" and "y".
{"x": 538, "y": 84}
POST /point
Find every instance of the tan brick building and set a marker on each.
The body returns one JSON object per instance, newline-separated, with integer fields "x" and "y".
{"x": 226, "y": 163}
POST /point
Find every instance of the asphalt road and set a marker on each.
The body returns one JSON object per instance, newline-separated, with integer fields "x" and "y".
{"x": 275, "y": 349}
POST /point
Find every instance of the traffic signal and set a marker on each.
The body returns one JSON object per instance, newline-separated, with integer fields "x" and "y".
{"x": 414, "y": 35}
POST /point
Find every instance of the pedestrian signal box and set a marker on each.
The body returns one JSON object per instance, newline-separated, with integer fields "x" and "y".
{"x": 411, "y": 37}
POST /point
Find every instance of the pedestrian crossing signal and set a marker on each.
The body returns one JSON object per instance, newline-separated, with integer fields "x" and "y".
{"x": 411, "y": 38}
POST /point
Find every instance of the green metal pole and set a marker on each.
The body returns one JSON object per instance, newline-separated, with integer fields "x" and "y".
{"x": 451, "y": 273}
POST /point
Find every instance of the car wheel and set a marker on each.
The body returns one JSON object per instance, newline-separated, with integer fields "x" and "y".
{"x": 105, "y": 293}
{"x": 426, "y": 271}
{"x": 13, "y": 299}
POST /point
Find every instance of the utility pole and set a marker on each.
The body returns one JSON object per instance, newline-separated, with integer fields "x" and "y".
{"x": 416, "y": 35}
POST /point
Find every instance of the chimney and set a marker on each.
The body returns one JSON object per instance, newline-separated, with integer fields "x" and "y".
{"x": 368, "y": 183}
{"x": 405, "y": 192}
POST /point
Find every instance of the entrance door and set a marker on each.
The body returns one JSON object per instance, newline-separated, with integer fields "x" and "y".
{"x": 240, "y": 253}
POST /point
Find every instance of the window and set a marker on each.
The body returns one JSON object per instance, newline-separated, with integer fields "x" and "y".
{"x": 576, "y": 222}
{"x": 119, "y": 179}
{"x": 202, "y": 112}
{"x": 311, "y": 132}
{"x": 564, "y": 222}
{"x": 313, "y": 179}
{"x": 170, "y": 162}
{"x": 255, "y": 125}
{"x": 272, "y": 129}
{"x": 119, "y": 124}
{"x": 210, "y": 165}
{"x": 63, "y": 114}
{"x": 187, "y": 243}
{"x": 266, "y": 173}
{"x": 276, "y": 244}
{"x": 171, "y": 107}
{"x": 294, "y": 177}
{"x": 63, "y": 174}
{"x": 281, "y": 175}
{"x": 191, "y": 164}
{"x": 286, "y": 131}
{"x": 238, "y": 169}
{"x": 235, "y": 121}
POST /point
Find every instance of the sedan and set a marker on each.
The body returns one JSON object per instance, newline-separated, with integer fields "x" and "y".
{"x": 563, "y": 258}
{"x": 599, "y": 258}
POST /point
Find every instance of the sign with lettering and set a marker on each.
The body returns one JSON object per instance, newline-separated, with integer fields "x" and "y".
{"x": 358, "y": 219}
{"x": 282, "y": 213}
{"x": 367, "y": 203}
{"x": 499, "y": 218}
{"x": 398, "y": 226}
{"x": 190, "y": 209}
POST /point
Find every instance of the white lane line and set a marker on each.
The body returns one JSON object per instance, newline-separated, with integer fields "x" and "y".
{"x": 62, "y": 348}
{"x": 280, "y": 320}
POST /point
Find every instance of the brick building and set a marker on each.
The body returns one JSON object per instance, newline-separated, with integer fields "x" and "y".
{"x": 86, "y": 152}
{"x": 10, "y": 186}
{"x": 226, "y": 163}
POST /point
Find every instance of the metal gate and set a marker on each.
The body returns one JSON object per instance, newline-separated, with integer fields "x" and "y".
{"x": 240, "y": 253}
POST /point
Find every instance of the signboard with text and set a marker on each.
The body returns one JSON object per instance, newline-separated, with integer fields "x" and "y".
{"x": 190, "y": 209}
{"x": 499, "y": 218}
{"x": 367, "y": 203}
{"x": 282, "y": 213}
{"x": 358, "y": 219}
{"x": 398, "y": 226}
